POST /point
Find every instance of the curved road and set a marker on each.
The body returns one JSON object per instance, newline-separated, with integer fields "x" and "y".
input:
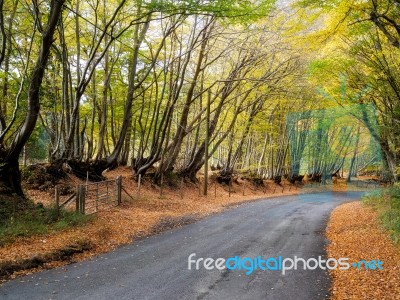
{"x": 157, "y": 267}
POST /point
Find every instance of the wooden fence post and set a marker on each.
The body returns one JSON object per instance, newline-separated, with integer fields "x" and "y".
{"x": 78, "y": 199}
{"x": 230, "y": 184}
{"x": 97, "y": 196}
{"x": 181, "y": 192}
{"x": 139, "y": 184}
{"x": 161, "y": 185}
{"x": 107, "y": 191}
{"x": 57, "y": 198}
{"x": 199, "y": 188}
{"x": 82, "y": 199}
{"x": 119, "y": 188}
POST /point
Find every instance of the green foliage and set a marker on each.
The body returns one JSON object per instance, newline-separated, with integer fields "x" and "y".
{"x": 387, "y": 202}
{"x": 242, "y": 10}
{"x": 249, "y": 55}
{"x": 36, "y": 147}
{"x": 27, "y": 219}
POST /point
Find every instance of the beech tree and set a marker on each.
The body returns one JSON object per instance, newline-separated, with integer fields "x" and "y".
{"x": 169, "y": 87}
{"x": 10, "y": 178}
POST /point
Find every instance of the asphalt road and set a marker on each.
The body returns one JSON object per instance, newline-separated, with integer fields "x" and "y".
{"x": 157, "y": 267}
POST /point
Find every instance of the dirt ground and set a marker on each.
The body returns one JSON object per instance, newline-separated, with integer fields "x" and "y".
{"x": 355, "y": 233}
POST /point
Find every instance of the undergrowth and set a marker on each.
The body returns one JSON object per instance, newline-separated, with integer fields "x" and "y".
{"x": 21, "y": 217}
{"x": 387, "y": 202}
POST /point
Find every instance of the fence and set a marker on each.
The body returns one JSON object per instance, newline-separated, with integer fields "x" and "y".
{"x": 93, "y": 197}
{"x": 243, "y": 188}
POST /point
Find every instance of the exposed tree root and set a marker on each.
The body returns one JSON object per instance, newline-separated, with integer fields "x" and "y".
{"x": 88, "y": 170}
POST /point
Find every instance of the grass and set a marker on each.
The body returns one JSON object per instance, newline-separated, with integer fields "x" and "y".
{"x": 387, "y": 202}
{"x": 21, "y": 217}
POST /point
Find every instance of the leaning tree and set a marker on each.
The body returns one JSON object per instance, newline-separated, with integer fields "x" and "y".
{"x": 14, "y": 135}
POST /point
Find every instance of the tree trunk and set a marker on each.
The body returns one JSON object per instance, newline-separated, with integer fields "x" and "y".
{"x": 10, "y": 177}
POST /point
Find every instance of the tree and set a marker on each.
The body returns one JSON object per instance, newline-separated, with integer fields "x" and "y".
{"x": 367, "y": 36}
{"x": 10, "y": 178}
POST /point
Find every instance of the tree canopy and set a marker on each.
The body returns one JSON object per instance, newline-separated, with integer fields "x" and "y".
{"x": 166, "y": 86}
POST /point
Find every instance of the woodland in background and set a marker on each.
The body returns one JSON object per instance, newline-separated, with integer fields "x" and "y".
{"x": 167, "y": 86}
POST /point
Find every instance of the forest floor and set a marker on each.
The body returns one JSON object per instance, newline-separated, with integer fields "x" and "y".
{"x": 354, "y": 232}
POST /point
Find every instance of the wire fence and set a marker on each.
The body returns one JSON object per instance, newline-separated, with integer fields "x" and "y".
{"x": 94, "y": 197}
{"x": 91, "y": 198}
